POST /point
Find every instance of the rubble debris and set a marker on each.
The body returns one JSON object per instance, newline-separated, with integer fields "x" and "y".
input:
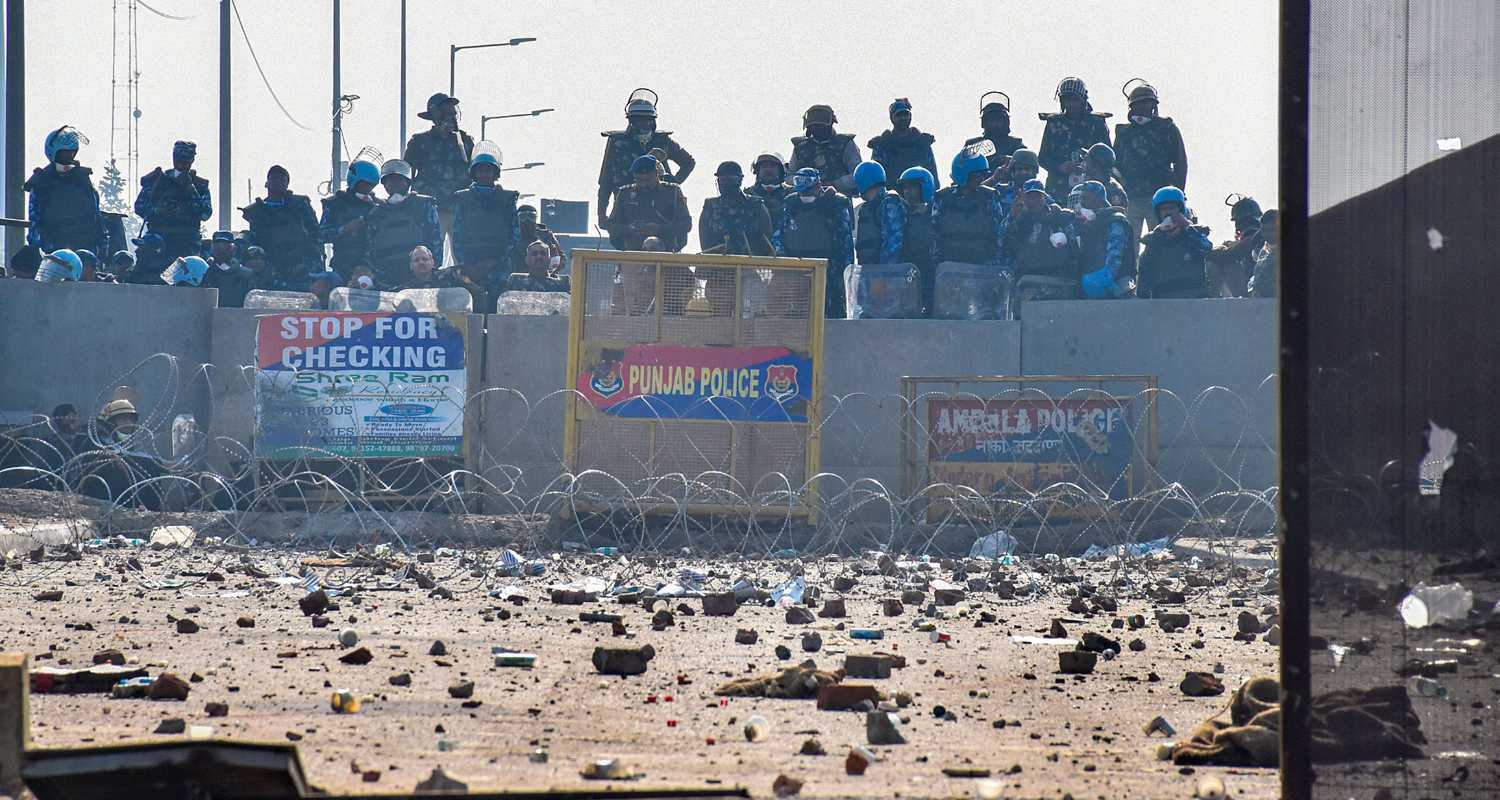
{"x": 812, "y": 747}
{"x": 216, "y": 709}
{"x": 799, "y": 682}
{"x": 1201, "y": 684}
{"x": 858, "y": 760}
{"x": 358, "y": 656}
{"x": 186, "y": 625}
{"x": 746, "y": 636}
{"x": 168, "y": 687}
{"x": 846, "y": 696}
{"x": 785, "y": 785}
{"x": 721, "y": 604}
{"x": 867, "y": 666}
{"x": 812, "y": 642}
{"x": 833, "y": 608}
{"x": 622, "y": 660}
{"x": 799, "y": 615}
{"x": 757, "y": 729}
{"x": 171, "y": 725}
{"x": 1076, "y": 662}
{"x": 462, "y": 690}
{"x": 892, "y": 607}
{"x": 438, "y": 648}
{"x": 313, "y": 603}
{"x": 882, "y": 727}
{"x": 400, "y": 679}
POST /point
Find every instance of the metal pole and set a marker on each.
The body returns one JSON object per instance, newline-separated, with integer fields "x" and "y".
{"x": 333, "y": 170}
{"x": 483, "y": 121}
{"x": 225, "y": 121}
{"x": 15, "y": 121}
{"x": 401, "y": 146}
{"x": 452, "y": 59}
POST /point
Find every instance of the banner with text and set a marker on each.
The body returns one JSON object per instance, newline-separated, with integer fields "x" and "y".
{"x": 668, "y": 381}
{"x": 358, "y": 385}
{"x": 1013, "y": 445}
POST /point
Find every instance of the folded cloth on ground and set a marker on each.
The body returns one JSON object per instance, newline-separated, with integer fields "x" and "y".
{"x": 1347, "y": 725}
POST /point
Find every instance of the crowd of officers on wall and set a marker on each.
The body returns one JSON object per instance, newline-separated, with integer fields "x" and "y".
{"x": 1110, "y": 219}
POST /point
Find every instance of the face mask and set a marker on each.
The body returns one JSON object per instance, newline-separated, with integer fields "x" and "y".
{"x": 364, "y": 196}
{"x": 1137, "y": 120}
{"x": 364, "y": 282}
{"x": 397, "y": 197}
{"x": 1086, "y": 213}
{"x": 61, "y": 167}
{"x": 806, "y": 198}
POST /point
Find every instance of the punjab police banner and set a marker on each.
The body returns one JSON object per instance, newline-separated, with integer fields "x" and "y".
{"x": 651, "y": 381}
{"x": 1014, "y": 445}
{"x": 358, "y": 385}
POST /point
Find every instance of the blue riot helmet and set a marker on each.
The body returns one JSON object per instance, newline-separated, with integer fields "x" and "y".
{"x": 867, "y": 175}
{"x": 65, "y": 138}
{"x": 968, "y": 162}
{"x": 60, "y": 265}
{"x": 806, "y": 180}
{"x": 362, "y": 172}
{"x": 1168, "y": 194}
{"x": 921, "y": 176}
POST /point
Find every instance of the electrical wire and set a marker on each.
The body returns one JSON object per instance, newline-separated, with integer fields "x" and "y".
{"x": 163, "y": 14}
{"x": 256, "y": 60}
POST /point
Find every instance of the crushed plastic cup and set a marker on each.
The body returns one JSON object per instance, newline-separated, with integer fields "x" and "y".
{"x": 993, "y": 546}
{"x": 757, "y": 729}
{"x": 131, "y": 687}
{"x": 744, "y": 588}
{"x": 1428, "y": 687}
{"x": 789, "y": 593}
{"x": 344, "y": 701}
{"x": 1434, "y": 605}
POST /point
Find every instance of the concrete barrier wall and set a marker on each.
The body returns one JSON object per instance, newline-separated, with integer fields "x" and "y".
{"x": 72, "y": 343}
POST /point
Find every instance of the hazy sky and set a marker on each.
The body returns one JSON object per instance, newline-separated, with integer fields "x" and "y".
{"x": 734, "y": 78}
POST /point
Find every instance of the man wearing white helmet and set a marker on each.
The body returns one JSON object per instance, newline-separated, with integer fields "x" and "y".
{"x": 60, "y": 265}
{"x": 399, "y": 223}
{"x": 639, "y": 138}
{"x": 344, "y": 224}
{"x": 63, "y": 207}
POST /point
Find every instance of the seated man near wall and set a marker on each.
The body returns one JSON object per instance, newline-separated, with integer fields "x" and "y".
{"x": 422, "y": 272}
{"x": 539, "y": 276}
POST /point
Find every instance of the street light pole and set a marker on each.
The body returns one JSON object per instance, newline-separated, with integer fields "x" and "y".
{"x": 333, "y": 180}
{"x": 453, "y": 55}
{"x": 225, "y": 119}
{"x": 402, "y": 144}
{"x": 484, "y": 120}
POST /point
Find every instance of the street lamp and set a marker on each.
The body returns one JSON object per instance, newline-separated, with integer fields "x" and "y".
{"x": 536, "y": 112}
{"x": 454, "y": 48}
{"x": 527, "y": 165}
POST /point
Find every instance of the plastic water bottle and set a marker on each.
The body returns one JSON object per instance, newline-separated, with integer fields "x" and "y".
{"x": 1428, "y": 687}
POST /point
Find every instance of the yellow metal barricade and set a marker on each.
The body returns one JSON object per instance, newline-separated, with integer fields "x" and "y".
{"x": 695, "y": 378}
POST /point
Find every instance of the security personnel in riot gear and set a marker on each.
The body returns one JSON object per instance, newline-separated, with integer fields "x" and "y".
{"x": 880, "y": 219}
{"x": 968, "y": 221}
{"x": 1099, "y": 165}
{"x": 1021, "y": 168}
{"x": 439, "y": 156}
{"x": 770, "y": 185}
{"x": 285, "y": 227}
{"x": 1107, "y": 243}
{"x": 1041, "y": 248}
{"x": 816, "y": 222}
{"x": 639, "y": 138}
{"x": 1172, "y": 262}
{"x": 902, "y": 146}
{"x": 64, "y": 207}
{"x": 1231, "y": 264}
{"x": 399, "y": 223}
{"x": 344, "y": 223}
{"x": 485, "y": 231}
{"x": 1149, "y": 152}
{"x": 649, "y": 207}
{"x": 175, "y": 202}
{"x": 1068, "y": 136}
{"x": 834, "y": 155}
{"x": 1263, "y": 282}
{"x": 734, "y": 222}
{"x": 918, "y": 245}
{"x": 994, "y": 121}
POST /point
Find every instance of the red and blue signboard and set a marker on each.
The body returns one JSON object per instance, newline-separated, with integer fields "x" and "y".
{"x": 668, "y": 381}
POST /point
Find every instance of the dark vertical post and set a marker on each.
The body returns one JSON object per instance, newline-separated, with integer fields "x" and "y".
{"x": 15, "y": 119}
{"x": 225, "y": 123}
{"x": 401, "y": 145}
{"x": 1295, "y": 478}
{"x": 333, "y": 170}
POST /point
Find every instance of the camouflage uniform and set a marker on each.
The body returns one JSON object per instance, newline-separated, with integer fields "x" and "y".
{"x": 739, "y": 219}
{"x": 835, "y": 159}
{"x": 441, "y": 164}
{"x": 662, "y": 205}
{"x": 1065, "y": 135}
{"x": 773, "y": 196}
{"x": 1149, "y": 156}
{"x": 624, "y": 147}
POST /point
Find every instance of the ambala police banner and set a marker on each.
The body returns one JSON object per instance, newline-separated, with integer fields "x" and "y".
{"x": 1013, "y": 445}
{"x": 358, "y": 385}
{"x": 668, "y": 381}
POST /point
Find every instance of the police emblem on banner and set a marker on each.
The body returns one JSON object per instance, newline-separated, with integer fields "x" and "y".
{"x": 781, "y": 381}
{"x": 606, "y": 374}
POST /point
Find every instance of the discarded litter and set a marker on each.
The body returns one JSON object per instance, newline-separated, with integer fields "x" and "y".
{"x": 867, "y": 633}
{"x": 757, "y": 729}
{"x": 512, "y": 658}
{"x": 1434, "y": 605}
{"x": 993, "y": 546}
{"x": 344, "y": 701}
{"x": 789, "y": 593}
{"x": 1428, "y": 687}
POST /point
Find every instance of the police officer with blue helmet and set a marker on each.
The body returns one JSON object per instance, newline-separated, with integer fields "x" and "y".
{"x": 174, "y": 203}
{"x": 63, "y": 206}
{"x": 817, "y": 222}
{"x": 343, "y": 224}
{"x": 485, "y": 231}
{"x": 880, "y": 219}
{"x": 968, "y": 221}
{"x": 1173, "y": 261}
{"x": 1106, "y": 241}
{"x": 917, "y": 186}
